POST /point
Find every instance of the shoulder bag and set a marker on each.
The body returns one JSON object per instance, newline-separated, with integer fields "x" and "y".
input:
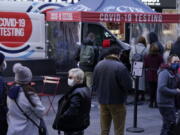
{"x": 41, "y": 126}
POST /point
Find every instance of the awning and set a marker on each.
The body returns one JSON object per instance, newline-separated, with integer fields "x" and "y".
{"x": 129, "y": 11}
{"x": 128, "y": 17}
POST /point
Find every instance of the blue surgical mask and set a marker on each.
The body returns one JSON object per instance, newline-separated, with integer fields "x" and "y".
{"x": 174, "y": 66}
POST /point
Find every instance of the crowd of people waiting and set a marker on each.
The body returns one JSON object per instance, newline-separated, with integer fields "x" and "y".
{"x": 21, "y": 110}
{"x": 160, "y": 78}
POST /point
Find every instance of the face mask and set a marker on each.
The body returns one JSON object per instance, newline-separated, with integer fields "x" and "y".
{"x": 174, "y": 66}
{"x": 71, "y": 82}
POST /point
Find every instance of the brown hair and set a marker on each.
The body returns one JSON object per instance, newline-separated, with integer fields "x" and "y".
{"x": 154, "y": 49}
{"x": 142, "y": 40}
{"x": 170, "y": 57}
{"x": 27, "y": 89}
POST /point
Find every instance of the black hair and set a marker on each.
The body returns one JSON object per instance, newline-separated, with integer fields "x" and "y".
{"x": 152, "y": 37}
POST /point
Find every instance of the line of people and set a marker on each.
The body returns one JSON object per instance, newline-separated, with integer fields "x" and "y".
{"x": 111, "y": 82}
{"x": 24, "y": 105}
{"x": 161, "y": 76}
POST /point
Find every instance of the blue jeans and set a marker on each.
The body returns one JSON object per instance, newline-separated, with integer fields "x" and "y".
{"x": 169, "y": 120}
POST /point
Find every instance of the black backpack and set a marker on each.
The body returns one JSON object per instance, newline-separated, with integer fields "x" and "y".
{"x": 138, "y": 56}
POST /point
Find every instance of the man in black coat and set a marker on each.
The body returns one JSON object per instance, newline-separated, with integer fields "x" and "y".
{"x": 111, "y": 81}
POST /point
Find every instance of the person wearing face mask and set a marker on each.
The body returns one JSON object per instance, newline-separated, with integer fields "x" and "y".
{"x": 167, "y": 90}
{"x": 73, "y": 114}
{"x": 3, "y": 96}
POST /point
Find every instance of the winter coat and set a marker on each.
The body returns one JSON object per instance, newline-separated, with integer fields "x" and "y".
{"x": 166, "y": 90}
{"x": 152, "y": 64}
{"x": 18, "y": 123}
{"x": 111, "y": 81}
{"x": 176, "y": 48}
{"x": 74, "y": 110}
{"x": 141, "y": 49}
{"x": 3, "y": 105}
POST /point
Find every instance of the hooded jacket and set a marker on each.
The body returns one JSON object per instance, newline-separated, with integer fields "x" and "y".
{"x": 17, "y": 121}
{"x": 166, "y": 90}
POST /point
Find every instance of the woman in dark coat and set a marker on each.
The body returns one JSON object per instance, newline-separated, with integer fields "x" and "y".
{"x": 152, "y": 63}
{"x": 74, "y": 107}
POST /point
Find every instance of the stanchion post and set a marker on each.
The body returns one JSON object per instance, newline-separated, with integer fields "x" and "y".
{"x": 135, "y": 102}
{"x": 135, "y": 129}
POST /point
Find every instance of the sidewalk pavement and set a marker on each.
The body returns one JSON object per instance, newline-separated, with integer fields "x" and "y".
{"x": 148, "y": 118}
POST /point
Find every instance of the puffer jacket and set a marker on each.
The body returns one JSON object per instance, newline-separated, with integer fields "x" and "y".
{"x": 166, "y": 91}
{"x": 17, "y": 121}
{"x": 74, "y": 110}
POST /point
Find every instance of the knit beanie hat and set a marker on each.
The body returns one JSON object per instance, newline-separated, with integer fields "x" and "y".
{"x": 22, "y": 73}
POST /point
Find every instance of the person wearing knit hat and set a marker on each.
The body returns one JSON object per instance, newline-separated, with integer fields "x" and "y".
{"x": 3, "y": 105}
{"x": 22, "y": 73}
{"x": 23, "y": 95}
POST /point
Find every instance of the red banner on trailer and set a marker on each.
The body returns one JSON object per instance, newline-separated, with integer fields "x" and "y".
{"x": 128, "y": 17}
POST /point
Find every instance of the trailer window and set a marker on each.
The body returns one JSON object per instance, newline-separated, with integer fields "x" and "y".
{"x": 97, "y": 30}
